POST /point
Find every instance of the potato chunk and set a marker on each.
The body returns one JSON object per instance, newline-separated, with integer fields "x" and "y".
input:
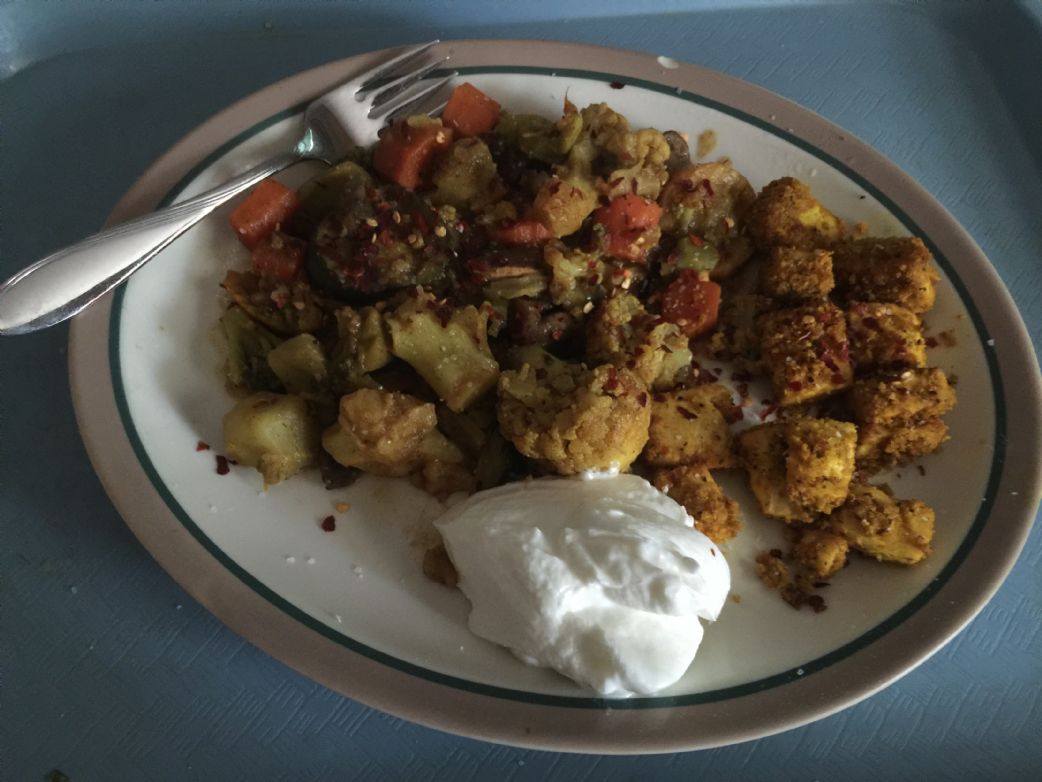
{"x": 786, "y": 213}
{"x": 571, "y": 418}
{"x": 820, "y": 552}
{"x": 689, "y": 426}
{"x": 795, "y": 275}
{"x": 911, "y": 395}
{"x": 448, "y": 347}
{"x": 898, "y": 270}
{"x": 272, "y": 432}
{"x": 890, "y": 530}
{"x": 716, "y": 515}
{"x": 761, "y": 451}
{"x": 884, "y": 336}
{"x": 805, "y": 351}
{"x": 819, "y": 462}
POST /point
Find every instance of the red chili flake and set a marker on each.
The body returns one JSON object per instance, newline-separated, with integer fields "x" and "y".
{"x": 556, "y": 334}
{"x": 794, "y": 385}
{"x": 685, "y": 413}
{"x": 697, "y": 241}
{"x": 708, "y": 187}
{"x": 386, "y": 239}
{"x": 817, "y": 602}
{"x": 659, "y": 397}
{"x": 712, "y": 551}
{"x": 328, "y": 524}
{"x": 613, "y": 380}
{"x": 642, "y": 399}
{"x": 616, "y": 85}
{"x": 222, "y": 465}
{"x": 615, "y": 182}
{"x": 201, "y": 446}
{"x": 824, "y": 315}
{"x": 768, "y": 411}
{"x": 420, "y": 223}
{"x": 633, "y": 186}
{"x": 931, "y": 342}
{"x": 631, "y": 364}
{"x": 872, "y": 323}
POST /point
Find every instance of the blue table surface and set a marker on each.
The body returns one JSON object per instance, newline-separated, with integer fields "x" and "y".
{"x": 109, "y": 671}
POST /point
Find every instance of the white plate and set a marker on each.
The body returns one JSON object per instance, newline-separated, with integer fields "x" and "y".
{"x": 351, "y": 608}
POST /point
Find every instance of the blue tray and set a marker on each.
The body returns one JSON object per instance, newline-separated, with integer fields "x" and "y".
{"x": 111, "y": 672}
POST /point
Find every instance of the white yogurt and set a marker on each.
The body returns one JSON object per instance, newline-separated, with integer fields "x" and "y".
{"x": 600, "y": 577}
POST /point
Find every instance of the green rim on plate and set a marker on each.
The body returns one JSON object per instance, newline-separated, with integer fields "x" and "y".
{"x": 712, "y": 696}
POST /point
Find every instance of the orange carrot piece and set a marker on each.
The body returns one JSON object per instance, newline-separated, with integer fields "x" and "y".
{"x": 267, "y": 206}
{"x": 279, "y": 257}
{"x": 691, "y": 303}
{"x": 624, "y": 220}
{"x": 404, "y": 151}
{"x": 469, "y": 111}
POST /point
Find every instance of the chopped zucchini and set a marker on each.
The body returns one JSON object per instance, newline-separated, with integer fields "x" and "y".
{"x": 248, "y": 345}
{"x": 299, "y": 364}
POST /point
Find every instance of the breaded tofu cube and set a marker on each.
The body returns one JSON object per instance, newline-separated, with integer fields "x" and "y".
{"x": 715, "y": 514}
{"x": 884, "y": 444}
{"x": 890, "y": 530}
{"x": 898, "y": 270}
{"x": 795, "y": 275}
{"x": 906, "y": 396}
{"x": 690, "y": 425}
{"x": 761, "y": 451}
{"x": 884, "y": 336}
{"x": 805, "y": 352}
{"x": 820, "y": 552}
{"x": 819, "y": 462}
{"x": 786, "y": 213}
{"x": 736, "y": 338}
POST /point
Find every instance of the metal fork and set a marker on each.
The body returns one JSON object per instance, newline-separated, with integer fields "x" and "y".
{"x": 66, "y": 282}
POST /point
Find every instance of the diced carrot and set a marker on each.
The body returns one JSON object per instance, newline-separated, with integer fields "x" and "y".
{"x": 404, "y": 150}
{"x": 691, "y": 303}
{"x": 625, "y": 219}
{"x": 525, "y": 231}
{"x": 267, "y": 206}
{"x": 279, "y": 257}
{"x": 469, "y": 111}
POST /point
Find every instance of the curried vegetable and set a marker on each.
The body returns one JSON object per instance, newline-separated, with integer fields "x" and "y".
{"x": 269, "y": 205}
{"x": 493, "y": 295}
{"x": 469, "y": 111}
{"x": 272, "y": 432}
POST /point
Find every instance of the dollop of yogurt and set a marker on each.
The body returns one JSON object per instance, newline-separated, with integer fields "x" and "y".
{"x": 601, "y": 577}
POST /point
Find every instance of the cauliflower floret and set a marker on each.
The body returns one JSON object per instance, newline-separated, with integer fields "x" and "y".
{"x": 574, "y": 276}
{"x": 640, "y": 156}
{"x": 621, "y": 332}
{"x": 394, "y": 434}
{"x": 571, "y": 418}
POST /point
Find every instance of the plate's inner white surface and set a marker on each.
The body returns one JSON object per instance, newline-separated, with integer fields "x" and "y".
{"x": 364, "y": 579}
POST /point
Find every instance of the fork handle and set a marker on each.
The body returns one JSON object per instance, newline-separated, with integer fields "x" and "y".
{"x": 65, "y": 282}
